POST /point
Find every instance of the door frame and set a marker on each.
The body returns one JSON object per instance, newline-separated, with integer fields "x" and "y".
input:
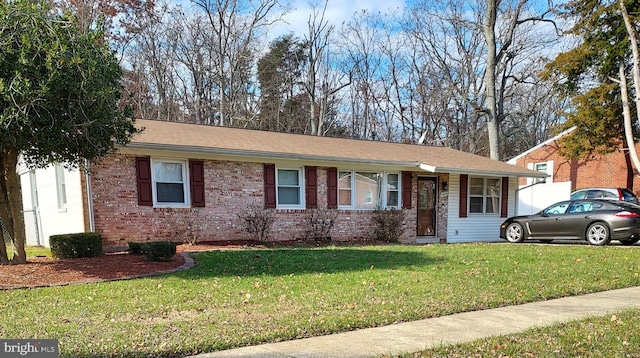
{"x": 436, "y": 193}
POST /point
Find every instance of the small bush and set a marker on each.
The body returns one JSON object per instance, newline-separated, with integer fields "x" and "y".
{"x": 159, "y": 250}
{"x": 66, "y": 246}
{"x": 257, "y": 222}
{"x": 189, "y": 225}
{"x": 135, "y": 248}
{"x": 388, "y": 224}
{"x": 319, "y": 223}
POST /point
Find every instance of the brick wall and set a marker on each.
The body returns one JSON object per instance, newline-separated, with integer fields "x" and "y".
{"x": 597, "y": 170}
{"x": 231, "y": 188}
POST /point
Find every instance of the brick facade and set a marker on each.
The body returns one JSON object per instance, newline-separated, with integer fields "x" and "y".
{"x": 231, "y": 188}
{"x": 597, "y": 170}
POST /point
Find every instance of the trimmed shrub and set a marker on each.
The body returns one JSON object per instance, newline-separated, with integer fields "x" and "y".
{"x": 69, "y": 246}
{"x": 388, "y": 225}
{"x": 135, "y": 248}
{"x": 159, "y": 250}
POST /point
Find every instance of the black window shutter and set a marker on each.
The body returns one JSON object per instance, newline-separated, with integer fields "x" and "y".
{"x": 406, "y": 189}
{"x": 505, "y": 196}
{"x": 464, "y": 187}
{"x": 332, "y": 188}
{"x": 143, "y": 178}
{"x": 196, "y": 183}
{"x": 269, "y": 186}
{"x": 311, "y": 187}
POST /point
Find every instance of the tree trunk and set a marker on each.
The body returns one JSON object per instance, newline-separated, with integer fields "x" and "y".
{"x": 630, "y": 172}
{"x": 490, "y": 79}
{"x": 11, "y": 207}
{"x": 628, "y": 128}
{"x": 626, "y": 111}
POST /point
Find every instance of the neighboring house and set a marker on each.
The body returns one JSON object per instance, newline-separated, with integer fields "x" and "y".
{"x": 175, "y": 174}
{"x": 610, "y": 170}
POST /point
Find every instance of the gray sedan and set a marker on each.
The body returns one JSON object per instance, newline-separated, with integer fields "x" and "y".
{"x": 596, "y": 221}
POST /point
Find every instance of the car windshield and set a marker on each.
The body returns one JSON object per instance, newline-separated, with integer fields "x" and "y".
{"x": 578, "y": 195}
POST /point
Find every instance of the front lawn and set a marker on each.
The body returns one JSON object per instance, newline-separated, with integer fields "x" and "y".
{"x": 237, "y": 298}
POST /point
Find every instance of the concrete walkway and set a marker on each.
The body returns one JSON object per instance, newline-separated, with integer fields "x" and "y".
{"x": 463, "y": 327}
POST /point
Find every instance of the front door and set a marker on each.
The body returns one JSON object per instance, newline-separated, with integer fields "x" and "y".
{"x": 427, "y": 191}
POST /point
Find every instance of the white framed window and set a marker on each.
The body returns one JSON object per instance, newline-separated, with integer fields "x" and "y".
{"x": 393, "y": 190}
{"x": 544, "y": 167}
{"x": 484, "y": 195}
{"x": 170, "y": 183}
{"x": 61, "y": 187}
{"x": 344, "y": 188}
{"x": 368, "y": 190}
{"x": 289, "y": 188}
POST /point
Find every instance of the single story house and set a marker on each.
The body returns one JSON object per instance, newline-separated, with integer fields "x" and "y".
{"x": 175, "y": 174}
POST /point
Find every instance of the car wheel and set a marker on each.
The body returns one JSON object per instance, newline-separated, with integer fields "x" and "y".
{"x": 629, "y": 241}
{"x": 514, "y": 233}
{"x": 598, "y": 234}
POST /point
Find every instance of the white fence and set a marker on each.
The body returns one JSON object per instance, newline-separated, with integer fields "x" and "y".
{"x": 533, "y": 198}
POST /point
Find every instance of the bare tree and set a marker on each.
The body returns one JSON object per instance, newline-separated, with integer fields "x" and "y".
{"x": 447, "y": 52}
{"x": 236, "y": 26}
{"x": 321, "y": 82}
{"x": 359, "y": 41}
{"x": 512, "y": 17}
{"x": 484, "y": 55}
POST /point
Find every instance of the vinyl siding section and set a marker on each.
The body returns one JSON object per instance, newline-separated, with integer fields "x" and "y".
{"x": 52, "y": 220}
{"x": 475, "y": 227}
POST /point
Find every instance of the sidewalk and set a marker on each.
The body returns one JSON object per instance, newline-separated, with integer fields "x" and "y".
{"x": 419, "y": 335}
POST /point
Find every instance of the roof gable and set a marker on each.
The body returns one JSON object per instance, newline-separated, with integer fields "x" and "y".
{"x": 533, "y": 149}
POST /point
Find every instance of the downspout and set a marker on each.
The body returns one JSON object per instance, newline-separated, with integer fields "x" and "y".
{"x": 89, "y": 197}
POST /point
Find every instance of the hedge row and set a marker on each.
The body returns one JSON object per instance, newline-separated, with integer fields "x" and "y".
{"x": 86, "y": 244}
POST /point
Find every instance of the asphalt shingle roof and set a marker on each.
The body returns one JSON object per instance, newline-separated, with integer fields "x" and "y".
{"x": 195, "y": 138}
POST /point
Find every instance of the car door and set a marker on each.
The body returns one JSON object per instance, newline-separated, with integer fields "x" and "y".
{"x": 577, "y": 218}
{"x": 549, "y": 222}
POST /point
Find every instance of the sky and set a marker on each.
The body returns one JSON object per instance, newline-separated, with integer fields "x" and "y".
{"x": 338, "y": 11}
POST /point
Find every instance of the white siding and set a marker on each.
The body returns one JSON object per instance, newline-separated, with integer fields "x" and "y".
{"x": 51, "y": 219}
{"x": 475, "y": 227}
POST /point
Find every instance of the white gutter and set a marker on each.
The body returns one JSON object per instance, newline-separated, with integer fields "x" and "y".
{"x": 433, "y": 169}
{"x": 427, "y": 168}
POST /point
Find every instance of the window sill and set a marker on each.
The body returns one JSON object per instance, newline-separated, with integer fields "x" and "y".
{"x": 179, "y": 206}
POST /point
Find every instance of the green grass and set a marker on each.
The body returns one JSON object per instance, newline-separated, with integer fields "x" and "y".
{"x": 611, "y": 336}
{"x": 238, "y": 298}
{"x": 31, "y": 251}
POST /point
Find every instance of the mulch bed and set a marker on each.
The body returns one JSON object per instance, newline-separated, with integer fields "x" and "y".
{"x": 47, "y": 271}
